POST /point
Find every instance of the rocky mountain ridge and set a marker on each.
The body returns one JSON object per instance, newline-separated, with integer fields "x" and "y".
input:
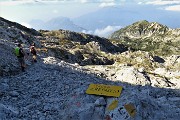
{"x": 79, "y": 47}
{"x": 68, "y": 62}
{"x": 144, "y": 29}
{"x": 152, "y": 37}
{"x": 8, "y": 23}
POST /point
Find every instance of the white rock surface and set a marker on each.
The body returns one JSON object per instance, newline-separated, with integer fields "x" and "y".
{"x": 131, "y": 76}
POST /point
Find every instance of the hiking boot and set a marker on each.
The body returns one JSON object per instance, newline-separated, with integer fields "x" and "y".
{"x": 23, "y": 69}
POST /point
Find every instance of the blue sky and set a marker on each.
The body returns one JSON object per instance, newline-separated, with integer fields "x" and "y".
{"x": 23, "y": 11}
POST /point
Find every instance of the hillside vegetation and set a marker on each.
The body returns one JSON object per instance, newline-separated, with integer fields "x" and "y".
{"x": 79, "y": 47}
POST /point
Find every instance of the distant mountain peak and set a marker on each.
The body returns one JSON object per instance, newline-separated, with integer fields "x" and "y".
{"x": 145, "y": 25}
{"x": 141, "y": 22}
{"x": 58, "y": 23}
{"x": 140, "y": 29}
{"x": 149, "y": 36}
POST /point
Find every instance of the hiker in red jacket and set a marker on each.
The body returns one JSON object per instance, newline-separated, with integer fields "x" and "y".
{"x": 33, "y": 52}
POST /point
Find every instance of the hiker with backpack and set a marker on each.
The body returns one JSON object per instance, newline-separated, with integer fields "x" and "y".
{"x": 20, "y": 55}
{"x": 33, "y": 52}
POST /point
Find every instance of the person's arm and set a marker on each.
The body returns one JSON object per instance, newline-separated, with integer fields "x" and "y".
{"x": 30, "y": 48}
{"x": 22, "y": 52}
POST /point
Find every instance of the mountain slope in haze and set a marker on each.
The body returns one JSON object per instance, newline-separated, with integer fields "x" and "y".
{"x": 152, "y": 37}
{"x": 101, "y": 19}
{"x": 56, "y": 24}
{"x": 126, "y": 15}
{"x": 97, "y": 22}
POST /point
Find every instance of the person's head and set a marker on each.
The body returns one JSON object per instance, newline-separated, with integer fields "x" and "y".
{"x": 33, "y": 44}
{"x": 19, "y": 45}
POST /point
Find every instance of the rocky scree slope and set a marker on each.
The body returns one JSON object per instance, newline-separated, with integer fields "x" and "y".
{"x": 152, "y": 37}
{"x": 53, "y": 89}
{"x": 19, "y": 26}
{"x": 12, "y": 33}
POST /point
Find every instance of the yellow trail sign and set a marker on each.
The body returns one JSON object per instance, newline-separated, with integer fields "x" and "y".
{"x": 106, "y": 90}
{"x": 113, "y": 105}
{"x": 130, "y": 109}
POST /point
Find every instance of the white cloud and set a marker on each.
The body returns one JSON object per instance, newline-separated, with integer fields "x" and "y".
{"x": 26, "y": 24}
{"x": 140, "y": 3}
{"x": 106, "y": 31}
{"x": 55, "y": 11}
{"x": 12, "y": 3}
{"x": 164, "y": 2}
{"x": 171, "y": 5}
{"x": 19, "y": 2}
{"x": 83, "y": 1}
{"x": 106, "y": 4}
{"x": 22, "y": 2}
{"x": 87, "y": 31}
{"x": 173, "y": 8}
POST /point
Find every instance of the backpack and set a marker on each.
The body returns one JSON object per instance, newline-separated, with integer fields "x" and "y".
{"x": 17, "y": 51}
